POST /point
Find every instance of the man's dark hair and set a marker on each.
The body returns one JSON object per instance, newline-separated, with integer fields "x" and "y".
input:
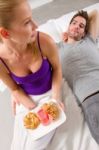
{"x": 84, "y": 15}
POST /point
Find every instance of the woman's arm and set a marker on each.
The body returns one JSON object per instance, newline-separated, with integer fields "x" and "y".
{"x": 15, "y": 90}
{"x": 94, "y": 23}
{"x": 50, "y": 50}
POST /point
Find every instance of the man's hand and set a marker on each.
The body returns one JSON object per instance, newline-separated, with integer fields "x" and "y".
{"x": 65, "y": 36}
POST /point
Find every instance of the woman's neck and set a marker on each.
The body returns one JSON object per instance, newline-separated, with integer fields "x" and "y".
{"x": 16, "y": 47}
{"x": 10, "y": 50}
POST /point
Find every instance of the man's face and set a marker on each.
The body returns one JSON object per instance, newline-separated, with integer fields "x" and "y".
{"x": 76, "y": 29}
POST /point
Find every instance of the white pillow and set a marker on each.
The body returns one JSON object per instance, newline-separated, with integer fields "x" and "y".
{"x": 55, "y": 27}
{"x": 52, "y": 29}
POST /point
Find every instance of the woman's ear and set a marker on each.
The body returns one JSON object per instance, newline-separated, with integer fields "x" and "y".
{"x": 4, "y": 33}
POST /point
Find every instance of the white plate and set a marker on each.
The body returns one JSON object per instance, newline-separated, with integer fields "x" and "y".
{"x": 42, "y": 130}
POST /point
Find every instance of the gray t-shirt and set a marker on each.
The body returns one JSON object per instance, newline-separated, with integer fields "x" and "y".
{"x": 80, "y": 66}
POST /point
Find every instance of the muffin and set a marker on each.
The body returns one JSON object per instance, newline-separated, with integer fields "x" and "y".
{"x": 31, "y": 121}
{"x": 52, "y": 109}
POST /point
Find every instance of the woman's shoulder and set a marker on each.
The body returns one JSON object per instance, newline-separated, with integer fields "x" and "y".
{"x": 44, "y": 37}
{"x": 46, "y": 42}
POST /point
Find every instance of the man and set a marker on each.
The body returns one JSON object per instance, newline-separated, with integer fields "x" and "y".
{"x": 80, "y": 65}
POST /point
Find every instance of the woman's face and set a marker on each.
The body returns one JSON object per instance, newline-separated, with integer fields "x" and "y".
{"x": 22, "y": 28}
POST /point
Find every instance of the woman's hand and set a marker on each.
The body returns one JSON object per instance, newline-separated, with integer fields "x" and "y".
{"x": 20, "y": 97}
{"x": 61, "y": 104}
{"x": 14, "y": 102}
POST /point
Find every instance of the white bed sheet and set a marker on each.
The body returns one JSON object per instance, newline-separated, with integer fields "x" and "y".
{"x": 74, "y": 133}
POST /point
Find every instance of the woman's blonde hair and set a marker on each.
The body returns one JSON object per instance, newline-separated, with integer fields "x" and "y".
{"x": 6, "y": 12}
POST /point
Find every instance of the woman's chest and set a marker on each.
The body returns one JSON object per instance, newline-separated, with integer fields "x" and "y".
{"x": 25, "y": 65}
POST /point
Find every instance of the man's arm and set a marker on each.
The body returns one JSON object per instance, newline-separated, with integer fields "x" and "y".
{"x": 94, "y": 23}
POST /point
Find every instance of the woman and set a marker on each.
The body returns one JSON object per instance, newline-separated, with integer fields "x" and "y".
{"x": 29, "y": 66}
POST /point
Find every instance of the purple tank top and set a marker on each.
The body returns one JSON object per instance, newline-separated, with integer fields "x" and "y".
{"x": 38, "y": 82}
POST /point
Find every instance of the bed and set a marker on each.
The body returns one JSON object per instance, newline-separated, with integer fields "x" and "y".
{"x": 74, "y": 133}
